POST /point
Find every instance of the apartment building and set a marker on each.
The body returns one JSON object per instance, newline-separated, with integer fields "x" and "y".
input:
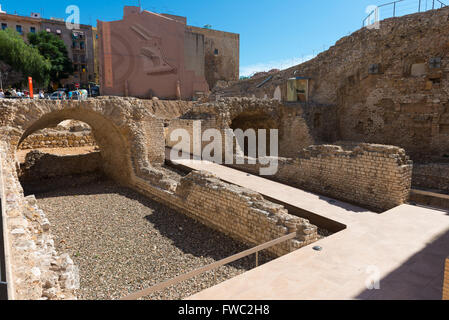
{"x": 79, "y": 42}
{"x": 80, "y": 47}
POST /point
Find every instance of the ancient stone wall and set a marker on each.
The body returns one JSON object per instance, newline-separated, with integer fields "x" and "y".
{"x": 389, "y": 85}
{"x": 226, "y": 113}
{"x": 238, "y": 212}
{"x": 39, "y": 165}
{"x": 34, "y": 269}
{"x": 374, "y": 176}
{"x": 58, "y": 140}
{"x": 431, "y": 176}
{"x": 131, "y": 140}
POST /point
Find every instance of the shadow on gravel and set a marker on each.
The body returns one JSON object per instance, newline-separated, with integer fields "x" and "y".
{"x": 190, "y": 236}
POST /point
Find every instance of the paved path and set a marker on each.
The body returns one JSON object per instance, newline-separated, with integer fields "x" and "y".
{"x": 405, "y": 247}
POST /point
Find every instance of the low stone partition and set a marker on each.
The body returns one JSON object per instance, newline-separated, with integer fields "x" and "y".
{"x": 237, "y": 212}
{"x": 431, "y": 176}
{"x": 39, "y": 165}
{"x": 34, "y": 269}
{"x": 58, "y": 139}
{"x": 377, "y": 177}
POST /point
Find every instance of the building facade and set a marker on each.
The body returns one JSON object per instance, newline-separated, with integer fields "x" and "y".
{"x": 222, "y": 55}
{"x": 79, "y": 42}
{"x": 148, "y": 54}
{"x": 23, "y": 25}
{"x": 80, "y": 47}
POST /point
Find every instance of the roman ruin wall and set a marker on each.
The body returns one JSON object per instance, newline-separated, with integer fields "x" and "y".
{"x": 58, "y": 140}
{"x": 34, "y": 269}
{"x": 431, "y": 176}
{"x": 132, "y": 149}
{"x": 39, "y": 165}
{"x": 373, "y": 176}
{"x": 248, "y": 113}
{"x": 238, "y": 212}
{"x": 388, "y": 86}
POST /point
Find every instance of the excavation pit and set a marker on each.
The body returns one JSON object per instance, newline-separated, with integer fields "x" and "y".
{"x": 122, "y": 242}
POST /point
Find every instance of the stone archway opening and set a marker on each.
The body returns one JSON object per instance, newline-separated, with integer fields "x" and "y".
{"x": 59, "y": 156}
{"x": 254, "y": 120}
{"x": 84, "y": 128}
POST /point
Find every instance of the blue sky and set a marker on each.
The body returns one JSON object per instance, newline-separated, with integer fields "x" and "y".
{"x": 273, "y": 34}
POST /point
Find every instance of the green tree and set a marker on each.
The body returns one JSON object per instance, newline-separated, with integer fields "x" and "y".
{"x": 54, "y": 49}
{"x": 24, "y": 58}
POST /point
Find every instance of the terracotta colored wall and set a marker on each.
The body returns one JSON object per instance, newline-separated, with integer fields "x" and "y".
{"x": 143, "y": 55}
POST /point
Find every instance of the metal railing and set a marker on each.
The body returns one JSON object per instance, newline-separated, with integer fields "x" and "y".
{"x": 400, "y": 8}
{"x": 3, "y": 282}
{"x": 210, "y": 267}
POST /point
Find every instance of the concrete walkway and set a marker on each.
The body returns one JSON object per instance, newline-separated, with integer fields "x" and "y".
{"x": 404, "y": 248}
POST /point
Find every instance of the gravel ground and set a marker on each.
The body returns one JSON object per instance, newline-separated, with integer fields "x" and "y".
{"x": 123, "y": 242}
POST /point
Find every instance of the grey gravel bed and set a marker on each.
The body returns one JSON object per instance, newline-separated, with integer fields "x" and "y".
{"x": 122, "y": 242}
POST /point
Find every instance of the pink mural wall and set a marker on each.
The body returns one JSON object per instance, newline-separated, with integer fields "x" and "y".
{"x": 143, "y": 55}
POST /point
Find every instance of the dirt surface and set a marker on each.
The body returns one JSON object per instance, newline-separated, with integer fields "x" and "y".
{"x": 123, "y": 242}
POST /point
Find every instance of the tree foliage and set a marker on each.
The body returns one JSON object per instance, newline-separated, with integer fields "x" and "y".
{"x": 24, "y": 58}
{"x": 53, "y": 49}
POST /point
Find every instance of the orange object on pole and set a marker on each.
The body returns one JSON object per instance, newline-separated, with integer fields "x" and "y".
{"x": 30, "y": 86}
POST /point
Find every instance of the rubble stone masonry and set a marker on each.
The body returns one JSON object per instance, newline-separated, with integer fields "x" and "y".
{"x": 374, "y": 176}
{"x": 387, "y": 86}
{"x": 58, "y": 140}
{"x": 34, "y": 269}
{"x": 131, "y": 140}
{"x": 238, "y": 212}
{"x": 431, "y": 176}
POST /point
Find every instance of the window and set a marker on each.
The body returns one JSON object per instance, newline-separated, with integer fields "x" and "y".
{"x": 4, "y": 26}
{"x": 216, "y": 52}
{"x": 19, "y": 28}
{"x": 74, "y": 45}
{"x": 75, "y": 58}
{"x": 33, "y": 29}
{"x": 82, "y": 45}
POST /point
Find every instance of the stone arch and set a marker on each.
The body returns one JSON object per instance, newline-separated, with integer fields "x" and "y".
{"x": 113, "y": 145}
{"x": 255, "y": 119}
{"x": 127, "y": 133}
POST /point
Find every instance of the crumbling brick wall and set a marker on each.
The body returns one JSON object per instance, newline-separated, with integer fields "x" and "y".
{"x": 374, "y": 176}
{"x": 34, "y": 269}
{"x": 58, "y": 140}
{"x": 39, "y": 165}
{"x": 292, "y": 122}
{"x": 385, "y": 84}
{"x": 431, "y": 176}
{"x": 238, "y": 212}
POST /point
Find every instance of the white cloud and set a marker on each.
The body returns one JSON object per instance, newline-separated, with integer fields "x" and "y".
{"x": 246, "y": 71}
